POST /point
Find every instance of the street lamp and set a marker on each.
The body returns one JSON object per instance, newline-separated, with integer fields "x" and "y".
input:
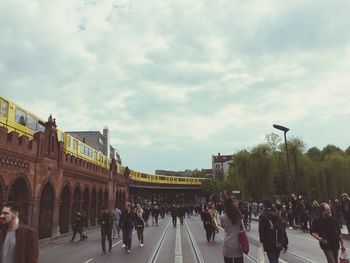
{"x": 289, "y": 178}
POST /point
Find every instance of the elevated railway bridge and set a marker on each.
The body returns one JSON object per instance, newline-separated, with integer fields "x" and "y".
{"x": 163, "y": 189}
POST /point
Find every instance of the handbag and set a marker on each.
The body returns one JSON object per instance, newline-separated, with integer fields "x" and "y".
{"x": 243, "y": 240}
{"x": 260, "y": 257}
{"x": 344, "y": 258}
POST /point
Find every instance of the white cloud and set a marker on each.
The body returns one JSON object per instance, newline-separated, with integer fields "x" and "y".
{"x": 180, "y": 77}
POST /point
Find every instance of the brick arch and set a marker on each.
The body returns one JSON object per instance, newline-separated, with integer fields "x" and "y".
{"x": 47, "y": 201}
{"x": 99, "y": 201}
{"x": 20, "y": 191}
{"x": 105, "y": 198}
{"x": 25, "y": 178}
{"x": 93, "y": 203}
{"x": 85, "y": 207}
{"x": 76, "y": 200}
{"x": 65, "y": 200}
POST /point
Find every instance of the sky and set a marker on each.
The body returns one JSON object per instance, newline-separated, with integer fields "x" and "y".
{"x": 179, "y": 81}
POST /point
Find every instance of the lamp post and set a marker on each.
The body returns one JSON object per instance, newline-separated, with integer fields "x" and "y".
{"x": 289, "y": 177}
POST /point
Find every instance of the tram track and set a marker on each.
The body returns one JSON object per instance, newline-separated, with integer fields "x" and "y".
{"x": 155, "y": 253}
{"x": 195, "y": 250}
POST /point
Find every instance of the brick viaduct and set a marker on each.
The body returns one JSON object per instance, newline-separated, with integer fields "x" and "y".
{"x": 51, "y": 185}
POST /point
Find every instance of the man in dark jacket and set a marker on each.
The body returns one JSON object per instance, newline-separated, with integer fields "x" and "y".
{"x": 326, "y": 230}
{"x": 272, "y": 232}
{"x": 126, "y": 223}
{"x": 78, "y": 226}
{"x": 174, "y": 214}
{"x": 106, "y": 222}
{"x": 18, "y": 243}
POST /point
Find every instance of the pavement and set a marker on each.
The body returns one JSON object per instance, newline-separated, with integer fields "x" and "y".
{"x": 181, "y": 244}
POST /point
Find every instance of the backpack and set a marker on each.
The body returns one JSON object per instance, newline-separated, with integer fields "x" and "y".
{"x": 276, "y": 226}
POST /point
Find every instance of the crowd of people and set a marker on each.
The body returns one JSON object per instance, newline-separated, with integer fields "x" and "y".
{"x": 323, "y": 221}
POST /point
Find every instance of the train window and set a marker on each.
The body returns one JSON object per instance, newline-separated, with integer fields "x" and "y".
{"x": 143, "y": 175}
{"x": 82, "y": 148}
{"x": 21, "y": 117}
{"x": 68, "y": 141}
{"x": 75, "y": 145}
{"x": 3, "y": 109}
{"x": 31, "y": 122}
{"x": 161, "y": 178}
{"x": 95, "y": 155}
{"x": 40, "y": 126}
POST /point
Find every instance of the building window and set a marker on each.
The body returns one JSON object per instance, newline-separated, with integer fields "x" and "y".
{"x": 100, "y": 141}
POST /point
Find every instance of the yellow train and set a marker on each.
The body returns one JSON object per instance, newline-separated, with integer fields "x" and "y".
{"x": 16, "y": 118}
{"x": 161, "y": 179}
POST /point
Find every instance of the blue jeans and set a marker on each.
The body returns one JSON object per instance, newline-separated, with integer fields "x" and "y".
{"x": 127, "y": 238}
{"x": 273, "y": 255}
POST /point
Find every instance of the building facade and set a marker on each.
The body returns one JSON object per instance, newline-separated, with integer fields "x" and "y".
{"x": 52, "y": 185}
{"x": 221, "y": 165}
{"x": 99, "y": 141}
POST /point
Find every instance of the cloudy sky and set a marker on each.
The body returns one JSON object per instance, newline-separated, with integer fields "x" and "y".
{"x": 178, "y": 81}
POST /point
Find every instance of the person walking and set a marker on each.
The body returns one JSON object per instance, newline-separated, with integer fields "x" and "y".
{"x": 326, "y": 230}
{"x": 231, "y": 222}
{"x": 116, "y": 217}
{"x": 106, "y": 222}
{"x": 345, "y": 204}
{"x": 18, "y": 243}
{"x": 272, "y": 232}
{"x": 207, "y": 223}
{"x": 214, "y": 215}
{"x": 78, "y": 226}
{"x": 140, "y": 224}
{"x": 126, "y": 223}
{"x": 174, "y": 213}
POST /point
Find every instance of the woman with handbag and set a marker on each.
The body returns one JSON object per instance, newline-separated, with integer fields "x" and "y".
{"x": 231, "y": 221}
{"x": 214, "y": 215}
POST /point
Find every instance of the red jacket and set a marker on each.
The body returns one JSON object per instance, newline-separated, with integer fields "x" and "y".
{"x": 27, "y": 245}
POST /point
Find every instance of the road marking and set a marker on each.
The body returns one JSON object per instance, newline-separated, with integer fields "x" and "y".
{"x": 178, "y": 247}
{"x": 121, "y": 240}
{"x": 89, "y": 260}
{"x": 195, "y": 249}
{"x": 158, "y": 247}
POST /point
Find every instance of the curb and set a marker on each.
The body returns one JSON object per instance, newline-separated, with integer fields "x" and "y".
{"x": 51, "y": 240}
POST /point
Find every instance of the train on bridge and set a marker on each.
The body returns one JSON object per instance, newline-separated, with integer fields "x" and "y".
{"x": 16, "y": 118}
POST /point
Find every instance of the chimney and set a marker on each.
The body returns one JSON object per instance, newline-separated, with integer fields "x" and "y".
{"x": 218, "y": 154}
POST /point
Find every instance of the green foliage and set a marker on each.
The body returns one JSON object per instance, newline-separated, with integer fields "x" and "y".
{"x": 263, "y": 170}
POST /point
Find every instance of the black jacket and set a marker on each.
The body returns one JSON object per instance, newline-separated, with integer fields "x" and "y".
{"x": 127, "y": 220}
{"x": 272, "y": 231}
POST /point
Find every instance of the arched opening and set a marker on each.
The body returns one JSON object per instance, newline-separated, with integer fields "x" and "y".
{"x": 64, "y": 210}
{"x": 76, "y": 202}
{"x": 99, "y": 202}
{"x": 46, "y": 211}
{"x": 86, "y": 202}
{"x": 105, "y": 199}
{"x": 20, "y": 193}
{"x": 1, "y": 193}
{"x": 93, "y": 208}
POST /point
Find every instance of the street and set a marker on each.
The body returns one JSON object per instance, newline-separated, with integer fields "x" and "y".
{"x": 165, "y": 243}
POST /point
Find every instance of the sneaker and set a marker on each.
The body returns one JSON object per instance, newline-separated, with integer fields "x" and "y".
{"x": 128, "y": 251}
{"x": 141, "y": 245}
{"x": 123, "y": 245}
